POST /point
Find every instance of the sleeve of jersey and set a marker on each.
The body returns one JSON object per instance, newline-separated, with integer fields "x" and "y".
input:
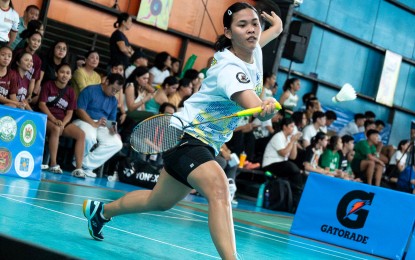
{"x": 233, "y": 79}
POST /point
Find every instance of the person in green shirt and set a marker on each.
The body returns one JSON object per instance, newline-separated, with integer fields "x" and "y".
{"x": 330, "y": 159}
{"x": 366, "y": 163}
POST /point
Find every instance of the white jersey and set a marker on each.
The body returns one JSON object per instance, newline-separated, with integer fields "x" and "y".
{"x": 227, "y": 75}
{"x": 9, "y": 21}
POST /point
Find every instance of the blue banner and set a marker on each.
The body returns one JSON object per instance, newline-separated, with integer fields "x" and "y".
{"x": 357, "y": 216}
{"x": 22, "y": 140}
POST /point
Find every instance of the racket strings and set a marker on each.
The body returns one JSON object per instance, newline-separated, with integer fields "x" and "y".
{"x": 155, "y": 135}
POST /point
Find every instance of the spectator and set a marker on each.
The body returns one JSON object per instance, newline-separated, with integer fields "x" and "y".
{"x": 32, "y": 26}
{"x": 30, "y": 13}
{"x": 306, "y": 97}
{"x": 33, "y": 42}
{"x": 289, "y": 98}
{"x": 300, "y": 121}
{"x": 353, "y": 127}
{"x": 223, "y": 159}
{"x": 398, "y": 160}
{"x": 10, "y": 23}
{"x": 366, "y": 164}
{"x": 319, "y": 120}
{"x": 167, "y": 108}
{"x": 168, "y": 88}
{"x": 270, "y": 86}
{"x": 138, "y": 59}
{"x": 330, "y": 159}
{"x": 136, "y": 95}
{"x": 369, "y": 115}
{"x": 86, "y": 75}
{"x": 22, "y": 64}
{"x": 8, "y": 80}
{"x": 97, "y": 109}
{"x": 56, "y": 55}
{"x": 175, "y": 67}
{"x": 281, "y": 148}
{"x": 57, "y": 100}
{"x": 406, "y": 181}
{"x": 160, "y": 71}
{"x": 193, "y": 75}
{"x": 120, "y": 48}
{"x": 346, "y": 156}
{"x": 380, "y": 125}
{"x": 312, "y": 155}
{"x": 185, "y": 89}
{"x": 330, "y": 118}
{"x": 312, "y": 106}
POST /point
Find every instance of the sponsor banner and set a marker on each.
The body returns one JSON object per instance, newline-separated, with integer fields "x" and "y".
{"x": 354, "y": 215}
{"x": 22, "y": 140}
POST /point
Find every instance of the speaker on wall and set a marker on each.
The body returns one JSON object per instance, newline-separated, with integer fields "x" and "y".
{"x": 297, "y": 42}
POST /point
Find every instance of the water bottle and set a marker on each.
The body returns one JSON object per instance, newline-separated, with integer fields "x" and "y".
{"x": 260, "y": 198}
{"x": 266, "y": 199}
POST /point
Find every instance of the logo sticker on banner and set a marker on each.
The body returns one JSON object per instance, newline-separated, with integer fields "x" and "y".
{"x": 5, "y": 160}
{"x": 28, "y": 133}
{"x": 24, "y": 164}
{"x": 354, "y": 215}
{"x": 8, "y": 128}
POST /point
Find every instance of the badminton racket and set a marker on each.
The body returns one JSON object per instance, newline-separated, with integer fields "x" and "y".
{"x": 157, "y": 134}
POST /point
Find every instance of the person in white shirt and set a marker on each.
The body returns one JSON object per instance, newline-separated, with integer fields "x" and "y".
{"x": 234, "y": 82}
{"x": 319, "y": 120}
{"x": 9, "y": 23}
{"x": 281, "y": 148}
{"x": 160, "y": 71}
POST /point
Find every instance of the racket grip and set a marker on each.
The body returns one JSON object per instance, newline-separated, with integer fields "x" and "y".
{"x": 251, "y": 111}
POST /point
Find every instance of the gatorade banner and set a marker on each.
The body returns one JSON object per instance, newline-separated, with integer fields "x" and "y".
{"x": 155, "y": 13}
{"x": 354, "y": 215}
{"x": 22, "y": 140}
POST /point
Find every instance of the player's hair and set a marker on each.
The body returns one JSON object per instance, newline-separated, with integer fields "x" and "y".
{"x": 223, "y": 42}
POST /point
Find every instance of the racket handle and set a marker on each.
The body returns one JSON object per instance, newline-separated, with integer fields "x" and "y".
{"x": 251, "y": 111}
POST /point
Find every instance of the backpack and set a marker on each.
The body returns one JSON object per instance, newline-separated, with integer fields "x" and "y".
{"x": 278, "y": 195}
{"x": 137, "y": 172}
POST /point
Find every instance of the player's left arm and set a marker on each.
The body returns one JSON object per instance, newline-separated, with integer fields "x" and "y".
{"x": 273, "y": 31}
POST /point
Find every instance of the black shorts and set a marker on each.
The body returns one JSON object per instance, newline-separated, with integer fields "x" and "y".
{"x": 180, "y": 161}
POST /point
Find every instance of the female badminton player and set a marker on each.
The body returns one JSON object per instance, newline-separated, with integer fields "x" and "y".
{"x": 234, "y": 83}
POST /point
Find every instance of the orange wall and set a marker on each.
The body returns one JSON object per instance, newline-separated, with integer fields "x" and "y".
{"x": 20, "y": 5}
{"x": 202, "y": 52}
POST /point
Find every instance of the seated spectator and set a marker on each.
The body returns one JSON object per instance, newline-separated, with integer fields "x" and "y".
{"x": 86, "y": 75}
{"x": 366, "y": 164}
{"x": 368, "y": 125}
{"x": 22, "y": 64}
{"x": 9, "y": 23}
{"x": 138, "y": 59}
{"x": 167, "y": 108}
{"x": 8, "y": 80}
{"x": 175, "y": 67}
{"x": 353, "y": 127}
{"x": 30, "y": 13}
{"x": 56, "y": 55}
{"x": 406, "y": 181}
{"x": 330, "y": 159}
{"x": 270, "y": 87}
{"x": 319, "y": 120}
{"x": 33, "y": 42}
{"x": 32, "y": 26}
{"x": 312, "y": 106}
{"x": 306, "y": 97}
{"x": 300, "y": 121}
{"x": 330, "y": 118}
{"x": 57, "y": 100}
{"x": 281, "y": 148}
{"x": 223, "y": 159}
{"x": 313, "y": 153}
{"x": 160, "y": 71}
{"x": 289, "y": 97}
{"x": 193, "y": 75}
{"x": 369, "y": 115}
{"x": 398, "y": 160}
{"x": 168, "y": 88}
{"x": 380, "y": 125}
{"x": 185, "y": 89}
{"x": 97, "y": 109}
{"x": 346, "y": 155}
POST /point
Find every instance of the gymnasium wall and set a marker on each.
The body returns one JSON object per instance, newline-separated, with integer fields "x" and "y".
{"x": 337, "y": 58}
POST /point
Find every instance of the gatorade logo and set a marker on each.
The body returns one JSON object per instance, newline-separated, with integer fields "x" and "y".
{"x": 353, "y": 208}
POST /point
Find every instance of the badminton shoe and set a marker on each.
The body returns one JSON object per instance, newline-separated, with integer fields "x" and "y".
{"x": 93, "y": 211}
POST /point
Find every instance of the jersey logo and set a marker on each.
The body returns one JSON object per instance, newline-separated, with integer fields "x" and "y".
{"x": 241, "y": 77}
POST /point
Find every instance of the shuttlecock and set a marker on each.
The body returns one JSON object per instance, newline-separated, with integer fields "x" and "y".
{"x": 347, "y": 93}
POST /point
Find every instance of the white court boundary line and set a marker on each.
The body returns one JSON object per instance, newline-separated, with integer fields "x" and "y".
{"x": 203, "y": 217}
{"x": 114, "y": 228}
